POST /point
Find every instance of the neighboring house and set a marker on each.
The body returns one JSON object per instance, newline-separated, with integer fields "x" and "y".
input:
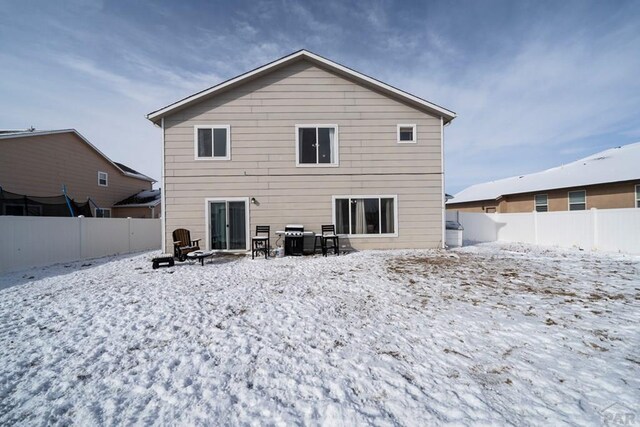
{"x": 145, "y": 204}
{"x": 605, "y": 180}
{"x": 39, "y": 163}
{"x": 304, "y": 140}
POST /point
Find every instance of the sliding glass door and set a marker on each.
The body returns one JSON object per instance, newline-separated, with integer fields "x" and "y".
{"x": 228, "y": 224}
{"x": 218, "y": 225}
{"x": 237, "y": 225}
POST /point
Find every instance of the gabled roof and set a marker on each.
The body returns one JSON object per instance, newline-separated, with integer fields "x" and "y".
{"x": 122, "y": 168}
{"x": 145, "y": 198}
{"x": 613, "y": 165}
{"x": 325, "y": 63}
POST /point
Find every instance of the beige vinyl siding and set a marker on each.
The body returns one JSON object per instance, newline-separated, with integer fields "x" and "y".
{"x": 40, "y": 165}
{"x": 263, "y": 114}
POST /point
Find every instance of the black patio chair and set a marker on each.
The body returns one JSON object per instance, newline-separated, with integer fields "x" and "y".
{"x": 261, "y": 241}
{"x": 329, "y": 235}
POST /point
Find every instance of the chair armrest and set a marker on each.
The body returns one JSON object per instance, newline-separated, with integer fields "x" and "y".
{"x": 177, "y": 242}
{"x": 195, "y": 241}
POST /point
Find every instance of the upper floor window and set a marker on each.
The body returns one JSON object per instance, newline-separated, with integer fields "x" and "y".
{"x": 638, "y": 196}
{"x": 103, "y": 179}
{"x": 406, "y": 134}
{"x": 316, "y": 145}
{"x": 577, "y": 200}
{"x": 542, "y": 203}
{"x": 213, "y": 142}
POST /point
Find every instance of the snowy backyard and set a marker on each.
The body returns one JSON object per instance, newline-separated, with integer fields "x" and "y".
{"x": 493, "y": 334}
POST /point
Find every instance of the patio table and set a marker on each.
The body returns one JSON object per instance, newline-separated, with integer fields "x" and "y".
{"x": 200, "y": 255}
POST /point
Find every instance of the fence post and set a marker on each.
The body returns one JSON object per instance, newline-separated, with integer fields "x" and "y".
{"x": 81, "y": 227}
{"x": 129, "y": 228}
{"x": 594, "y": 224}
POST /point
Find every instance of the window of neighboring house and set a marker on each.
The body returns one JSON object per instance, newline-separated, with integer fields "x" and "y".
{"x": 638, "y": 196}
{"x": 103, "y": 213}
{"x": 490, "y": 209}
{"x": 103, "y": 179}
{"x": 316, "y": 145}
{"x": 213, "y": 142}
{"x": 577, "y": 200}
{"x": 541, "y": 203}
{"x": 366, "y": 215}
{"x": 407, "y": 134}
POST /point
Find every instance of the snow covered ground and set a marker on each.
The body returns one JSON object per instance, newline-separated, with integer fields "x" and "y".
{"x": 490, "y": 334}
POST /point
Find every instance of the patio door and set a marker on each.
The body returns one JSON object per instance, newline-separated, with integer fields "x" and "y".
{"x": 228, "y": 224}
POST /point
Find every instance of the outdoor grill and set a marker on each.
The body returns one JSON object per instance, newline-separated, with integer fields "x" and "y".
{"x": 293, "y": 239}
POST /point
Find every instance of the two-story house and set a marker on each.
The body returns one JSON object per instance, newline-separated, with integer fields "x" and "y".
{"x": 40, "y": 164}
{"x": 304, "y": 140}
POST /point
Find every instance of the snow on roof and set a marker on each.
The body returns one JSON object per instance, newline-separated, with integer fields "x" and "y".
{"x": 145, "y": 198}
{"x": 612, "y": 165}
{"x": 32, "y": 132}
{"x": 389, "y": 90}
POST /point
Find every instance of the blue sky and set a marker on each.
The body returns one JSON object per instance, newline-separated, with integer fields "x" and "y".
{"x": 535, "y": 84}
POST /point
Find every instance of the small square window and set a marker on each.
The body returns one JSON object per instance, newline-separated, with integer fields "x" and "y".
{"x": 541, "y": 203}
{"x": 213, "y": 142}
{"x": 406, "y": 134}
{"x": 103, "y": 179}
{"x": 577, "y": 200}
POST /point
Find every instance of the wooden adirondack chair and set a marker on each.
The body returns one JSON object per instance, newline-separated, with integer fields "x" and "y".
{"x": 182, "y": 243}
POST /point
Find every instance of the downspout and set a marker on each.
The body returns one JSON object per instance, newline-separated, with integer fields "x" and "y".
{"x": 163, "y": 192}
{"x": 443, "y": 198}
{"x": 64, "y": 191}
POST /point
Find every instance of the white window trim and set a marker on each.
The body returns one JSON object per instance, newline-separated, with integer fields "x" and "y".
{"x": 637, "y": 193}
{"x": 318, "y": 165}
{"x": 103, "y": 209}
{"x": 106, "y": 179}
{"x": 535, "y": 205}
{"x": 207, "y": 218}
{"x": 212, "y": 127}
{"x": 369, "y": 196}
{"x": 569, "y": 199}
{"x": 415, "y": 133}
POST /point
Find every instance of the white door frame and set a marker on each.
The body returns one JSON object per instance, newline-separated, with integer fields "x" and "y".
{"x": 207, "y": 219}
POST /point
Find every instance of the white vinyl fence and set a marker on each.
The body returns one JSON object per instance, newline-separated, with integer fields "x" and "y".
{"x": 36, "y": 241}
{"x": 615, "y": 230}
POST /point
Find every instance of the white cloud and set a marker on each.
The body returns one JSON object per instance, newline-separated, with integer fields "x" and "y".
{"x": 548, "y": 94}
{"x": 551, "y": 86}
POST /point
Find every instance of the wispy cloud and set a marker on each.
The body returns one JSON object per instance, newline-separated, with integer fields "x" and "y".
{"x": 549, "y": 94}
